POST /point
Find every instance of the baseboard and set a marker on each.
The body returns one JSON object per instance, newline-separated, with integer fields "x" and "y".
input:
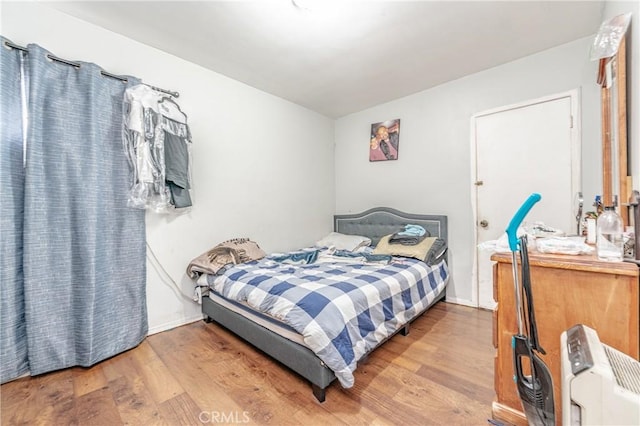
{"x": 457, "y": 301}
{"x": 507, "y": 414}
{"x": 172, "y": 324}
{"x": 177, "y": 323}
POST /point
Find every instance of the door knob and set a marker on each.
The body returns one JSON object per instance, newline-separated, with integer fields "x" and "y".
{"x": 484, "y": 223}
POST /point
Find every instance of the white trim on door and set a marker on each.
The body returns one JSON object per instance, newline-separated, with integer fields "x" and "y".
{"x": 576, "y": 160}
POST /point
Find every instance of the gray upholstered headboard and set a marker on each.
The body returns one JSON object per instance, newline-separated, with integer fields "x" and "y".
{"x": 380, "y": 221}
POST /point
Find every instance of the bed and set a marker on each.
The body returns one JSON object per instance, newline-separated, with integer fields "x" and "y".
{"x": 285, "y": 344}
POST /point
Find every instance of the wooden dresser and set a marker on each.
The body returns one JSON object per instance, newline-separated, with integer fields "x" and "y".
{"x": 567, "y": 290}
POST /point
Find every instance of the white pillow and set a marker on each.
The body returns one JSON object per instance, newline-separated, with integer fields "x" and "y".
{"x": 343, "y": 241}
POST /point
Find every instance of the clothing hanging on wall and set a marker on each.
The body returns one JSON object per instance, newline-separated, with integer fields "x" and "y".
{"x": 157, "y": 142}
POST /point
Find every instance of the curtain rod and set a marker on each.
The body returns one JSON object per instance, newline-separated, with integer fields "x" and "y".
{"x": 103, "y": 72}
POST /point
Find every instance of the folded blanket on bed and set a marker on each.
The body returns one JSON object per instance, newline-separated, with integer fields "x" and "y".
{"x": 407, "y": 240}
{"x": 414, "y": 230}
{"x": 235, "y": 251}
{"x": 412, "y": 235}
{"x": 430, "y": 250}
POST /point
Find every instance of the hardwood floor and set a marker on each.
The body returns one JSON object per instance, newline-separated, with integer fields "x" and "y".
{"x": 441, "y": 373}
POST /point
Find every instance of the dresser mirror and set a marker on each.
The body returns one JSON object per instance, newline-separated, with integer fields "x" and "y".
{"x": 616, "y": 182}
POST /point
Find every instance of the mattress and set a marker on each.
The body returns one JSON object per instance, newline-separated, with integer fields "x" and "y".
{"x": 265, "y": 321}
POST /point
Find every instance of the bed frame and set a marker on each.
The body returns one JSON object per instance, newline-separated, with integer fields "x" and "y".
{"x": 374, "y": 223}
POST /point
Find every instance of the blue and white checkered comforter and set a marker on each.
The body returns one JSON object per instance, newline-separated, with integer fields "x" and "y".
{"x": 342, "y": 310}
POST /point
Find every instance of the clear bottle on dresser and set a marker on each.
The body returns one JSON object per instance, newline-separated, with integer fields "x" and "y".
{"x": 609, "y": 239}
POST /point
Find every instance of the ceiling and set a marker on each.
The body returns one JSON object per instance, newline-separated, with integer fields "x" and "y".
{"x": 340, "y": 57}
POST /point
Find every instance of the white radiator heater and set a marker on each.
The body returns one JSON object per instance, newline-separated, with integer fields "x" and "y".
{"x": 600, "y": 385}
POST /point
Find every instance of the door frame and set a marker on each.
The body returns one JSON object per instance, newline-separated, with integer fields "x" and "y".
{"x": 576, "y": 164}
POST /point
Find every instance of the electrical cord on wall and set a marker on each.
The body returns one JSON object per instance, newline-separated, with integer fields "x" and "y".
{"x": 166, "y": 278}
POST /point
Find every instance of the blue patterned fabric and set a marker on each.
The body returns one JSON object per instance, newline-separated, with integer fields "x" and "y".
{"x": 13, "y": 337}
{"x": 342, "y": 310}
{"x": 84, "y": 250}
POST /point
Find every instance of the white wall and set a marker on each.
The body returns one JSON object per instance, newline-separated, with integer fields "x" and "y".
{"x": 263, "y": 167}
{"x": 433, "y": 173}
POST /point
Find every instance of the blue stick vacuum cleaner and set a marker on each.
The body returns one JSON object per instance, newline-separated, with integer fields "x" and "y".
{"x": 535, "y": 389}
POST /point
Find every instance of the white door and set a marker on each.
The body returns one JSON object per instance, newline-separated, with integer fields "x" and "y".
{"x": 521, "y": 149}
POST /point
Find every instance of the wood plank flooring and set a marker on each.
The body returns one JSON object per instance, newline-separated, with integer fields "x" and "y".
{"x": 441, "y": 373}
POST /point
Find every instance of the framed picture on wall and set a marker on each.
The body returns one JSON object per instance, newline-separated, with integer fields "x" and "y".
{"x": 384, "y": 140}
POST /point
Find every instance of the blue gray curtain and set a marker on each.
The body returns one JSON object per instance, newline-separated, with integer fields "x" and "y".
{"x": 83, "y": 266}
{"x": 13, "y": 350}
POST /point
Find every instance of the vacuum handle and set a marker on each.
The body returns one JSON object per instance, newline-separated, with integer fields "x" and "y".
{"x": 512, "y": 229}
